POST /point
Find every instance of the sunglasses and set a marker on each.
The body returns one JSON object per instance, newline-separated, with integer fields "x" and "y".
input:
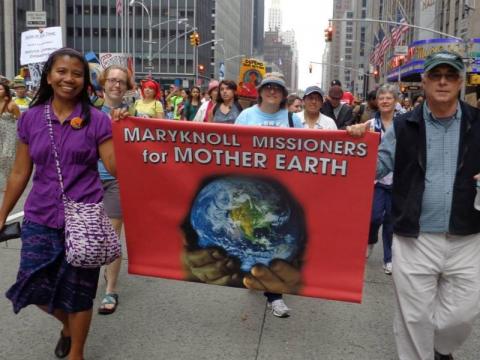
{"x": 449, "y": 76}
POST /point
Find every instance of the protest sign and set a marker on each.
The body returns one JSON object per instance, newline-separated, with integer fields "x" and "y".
{"x": 251, "y": 74}
{"x": 35, "y": 71}
{"x": 121, "y": 59}
{"x": 37, "y": 45}
{"x": 229, "y": 205}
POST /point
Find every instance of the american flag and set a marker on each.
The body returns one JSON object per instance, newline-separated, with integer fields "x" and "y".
{"x": 119, "y": 7}
{"x": 383, "y": 47}
{"x": 399, "y": 31}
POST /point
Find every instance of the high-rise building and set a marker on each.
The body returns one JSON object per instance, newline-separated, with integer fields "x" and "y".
{"x": 101, "y": 26}
{"x": 258, "y": 27}
{"x": 280, "y": 47}
{"x": 275, "y": 16}
{"x": 234, "y": 24}
{"x": 340, "y": 55}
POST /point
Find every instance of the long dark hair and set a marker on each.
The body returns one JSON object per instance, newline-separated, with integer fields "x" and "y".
{"x": 7, "y": 97}
{"x": 45, "y": 91}
{"x": 230, "y": 84}
{"x": 190, "y": 96}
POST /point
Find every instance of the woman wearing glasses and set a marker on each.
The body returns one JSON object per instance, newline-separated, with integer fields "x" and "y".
{"x": 115, "y": 81}
{"x": 271, "y": 111}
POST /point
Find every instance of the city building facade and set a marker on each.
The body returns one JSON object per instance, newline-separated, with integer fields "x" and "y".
{"x": 226, "y": 30}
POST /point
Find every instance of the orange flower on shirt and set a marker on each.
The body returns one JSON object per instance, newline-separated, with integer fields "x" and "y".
{"x": 76, "y": 123}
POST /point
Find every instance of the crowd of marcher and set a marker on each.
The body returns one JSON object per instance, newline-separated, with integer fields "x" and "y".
{"x": 427, "y": 173}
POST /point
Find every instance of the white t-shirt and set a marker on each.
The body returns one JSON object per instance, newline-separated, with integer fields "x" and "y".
{"x": 323, "y": 122}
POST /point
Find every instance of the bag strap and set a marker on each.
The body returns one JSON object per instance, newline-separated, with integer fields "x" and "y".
{"x": 54, "y": 148}
{"x": 290, "y": 119}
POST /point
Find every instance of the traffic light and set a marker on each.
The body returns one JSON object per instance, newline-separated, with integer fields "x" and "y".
{"x": 376, "y": 73}
{"x": 201, "y": 68}
{"x": 192, "y": 39}
{"x": 310, "y": 68}
{"x": 197, "y": 38}
{"x": 328, "y": 34}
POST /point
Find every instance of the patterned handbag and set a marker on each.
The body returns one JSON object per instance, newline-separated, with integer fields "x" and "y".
{"x": 90, "y": 240}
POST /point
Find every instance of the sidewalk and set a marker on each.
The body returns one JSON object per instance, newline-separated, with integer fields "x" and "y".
{"x": 174, "y": 320}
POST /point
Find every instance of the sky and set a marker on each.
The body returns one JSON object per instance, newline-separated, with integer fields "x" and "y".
{"x": 308, "y": 18}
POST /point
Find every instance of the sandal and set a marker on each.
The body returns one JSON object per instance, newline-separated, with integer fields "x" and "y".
{"x": 108, "y": 299}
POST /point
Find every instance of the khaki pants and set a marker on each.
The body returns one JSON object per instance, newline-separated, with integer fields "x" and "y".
{"x": 437, "y": 289}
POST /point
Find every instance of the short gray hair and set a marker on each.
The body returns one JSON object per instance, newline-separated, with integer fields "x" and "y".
{"x": 388, "y": 89}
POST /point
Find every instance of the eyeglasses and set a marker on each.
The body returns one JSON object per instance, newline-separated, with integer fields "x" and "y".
{"x": 273, "y": 87}
{"x": 449, "y": 76}
{"x": 113, "y": 81}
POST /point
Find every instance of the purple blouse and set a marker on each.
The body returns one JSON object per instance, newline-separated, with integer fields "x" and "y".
{"x": 78, "y": 152}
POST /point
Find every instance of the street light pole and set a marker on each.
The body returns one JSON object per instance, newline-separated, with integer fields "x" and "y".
{"x": 398, "y": 23}
{"x": 150, "y": 34}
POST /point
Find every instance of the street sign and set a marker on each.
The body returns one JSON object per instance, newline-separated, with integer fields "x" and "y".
{"x": 36, "y": 19}
{"x": 413, "y": 87}
{"x": 401, "y": 50}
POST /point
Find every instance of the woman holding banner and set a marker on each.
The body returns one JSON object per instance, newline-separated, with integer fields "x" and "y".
{"x": 115, "y": 81}
{"x": 387, "y": 97}
{"x": 82, "y": 134}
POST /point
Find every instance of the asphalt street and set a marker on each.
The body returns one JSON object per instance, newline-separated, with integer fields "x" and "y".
{"x": 175, "y": 320}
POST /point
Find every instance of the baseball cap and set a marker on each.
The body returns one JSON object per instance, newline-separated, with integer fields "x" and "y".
{"x": 273, "y": 78}
{"x": 335, "y": 83}
{"x": 313, "y": 89}
{"x": 444, "y": 58}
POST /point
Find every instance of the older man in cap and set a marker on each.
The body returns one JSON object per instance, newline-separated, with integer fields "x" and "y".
{"x": 433, "y": 152}
{"x": 311, "y": 116}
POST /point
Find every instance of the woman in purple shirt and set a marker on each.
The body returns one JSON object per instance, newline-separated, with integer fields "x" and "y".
{"x": 82, "y": 134}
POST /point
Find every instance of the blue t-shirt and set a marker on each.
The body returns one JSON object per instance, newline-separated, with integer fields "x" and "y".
{"x": 255, "y": 117}
{"x": 102, "y": 170}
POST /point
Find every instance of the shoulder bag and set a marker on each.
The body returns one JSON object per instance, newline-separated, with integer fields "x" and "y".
{"x": 90, "y": 240}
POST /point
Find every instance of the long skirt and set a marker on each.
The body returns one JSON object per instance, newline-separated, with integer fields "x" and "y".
{"x": 8, "y": 136}
{"x": 45, "y": 278}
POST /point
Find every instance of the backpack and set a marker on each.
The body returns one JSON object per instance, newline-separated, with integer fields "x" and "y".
{"x": 290, "y": 119}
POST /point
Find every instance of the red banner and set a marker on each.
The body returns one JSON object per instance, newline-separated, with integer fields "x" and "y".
{"x": 276, "y": 209}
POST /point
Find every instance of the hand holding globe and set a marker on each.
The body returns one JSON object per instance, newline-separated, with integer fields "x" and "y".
{"x": 244, "y": 231}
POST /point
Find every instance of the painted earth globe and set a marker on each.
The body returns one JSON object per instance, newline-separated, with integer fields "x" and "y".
{"x": 252, "y": 219}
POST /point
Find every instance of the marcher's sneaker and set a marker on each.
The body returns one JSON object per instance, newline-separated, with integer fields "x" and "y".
{"x": 387, "y": 268}
{"x": 439, "y": 356}
{"x": 279, "y": 308}
{"x": 369, "y": 250}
